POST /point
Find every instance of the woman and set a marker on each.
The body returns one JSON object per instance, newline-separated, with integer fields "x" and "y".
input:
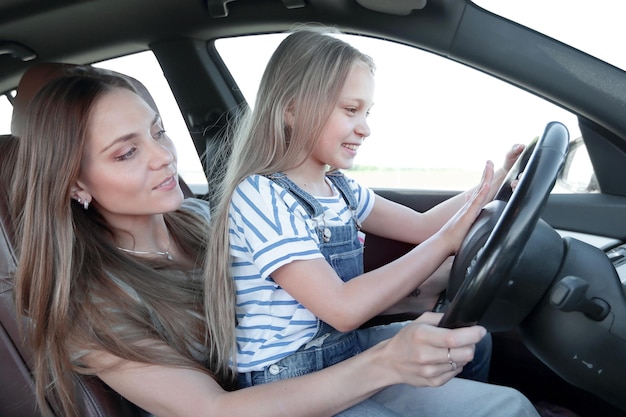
{"x": 104, "y": 250}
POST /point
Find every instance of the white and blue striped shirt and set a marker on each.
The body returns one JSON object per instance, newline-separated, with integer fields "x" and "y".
{"x": 269, "y": 229}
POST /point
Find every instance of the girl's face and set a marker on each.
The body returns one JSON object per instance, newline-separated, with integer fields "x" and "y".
{"x": 129, "y": 163}
{"x": 347, "y": 127}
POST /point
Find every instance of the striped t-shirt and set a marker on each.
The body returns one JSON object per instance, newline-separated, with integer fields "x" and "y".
{"x": 269, "y": 229}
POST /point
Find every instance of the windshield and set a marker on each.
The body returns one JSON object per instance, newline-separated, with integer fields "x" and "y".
{"x": 595, "y": 27}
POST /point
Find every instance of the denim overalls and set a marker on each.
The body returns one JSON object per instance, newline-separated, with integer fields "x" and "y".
{"x": 342, "y": 248}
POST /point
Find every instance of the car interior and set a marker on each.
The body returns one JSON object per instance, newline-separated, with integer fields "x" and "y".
{"x": 543, "y": 271}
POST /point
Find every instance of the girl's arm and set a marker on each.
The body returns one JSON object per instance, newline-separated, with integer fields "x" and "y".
{"x": 417, "y": 355}
{"x": 395, "y": 221}
{"x": 347, "y": 305}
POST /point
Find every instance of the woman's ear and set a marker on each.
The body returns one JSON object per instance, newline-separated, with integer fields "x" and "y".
{"x": 80, "y": 193}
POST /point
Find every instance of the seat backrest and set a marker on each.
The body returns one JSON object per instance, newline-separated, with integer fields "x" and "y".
{"x": 17, "y": 395}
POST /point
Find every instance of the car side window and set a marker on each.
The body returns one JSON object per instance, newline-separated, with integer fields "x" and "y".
{"x": 6, "y": 109}
{"x": 144, "y": 67}
{"x": 434, "y": 122}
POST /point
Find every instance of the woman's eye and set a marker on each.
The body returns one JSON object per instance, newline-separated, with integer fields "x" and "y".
{"x": 351, "y": 109}
{"x": 127, "y": 155}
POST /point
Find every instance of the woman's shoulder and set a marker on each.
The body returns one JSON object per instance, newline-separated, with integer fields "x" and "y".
{"x": 197, "y": 206}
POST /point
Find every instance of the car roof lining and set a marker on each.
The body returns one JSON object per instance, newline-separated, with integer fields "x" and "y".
{"x": 139, "y": 27}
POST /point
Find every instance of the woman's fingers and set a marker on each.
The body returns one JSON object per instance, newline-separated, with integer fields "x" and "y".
{"x": 427, "y": 355}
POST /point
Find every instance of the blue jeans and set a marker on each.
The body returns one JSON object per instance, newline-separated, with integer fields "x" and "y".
{"x": 458, "y": 397}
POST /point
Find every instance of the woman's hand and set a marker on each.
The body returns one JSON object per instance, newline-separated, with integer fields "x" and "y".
{"x": 423, "y": 354}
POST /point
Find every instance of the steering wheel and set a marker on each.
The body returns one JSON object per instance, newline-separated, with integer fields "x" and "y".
{"x": 499, "y": 235}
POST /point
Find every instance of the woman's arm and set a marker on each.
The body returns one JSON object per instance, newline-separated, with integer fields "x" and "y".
{"x": 417, "y": 355}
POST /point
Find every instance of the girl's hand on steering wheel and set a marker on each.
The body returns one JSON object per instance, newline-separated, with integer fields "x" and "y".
{"x": 512, "y": 155}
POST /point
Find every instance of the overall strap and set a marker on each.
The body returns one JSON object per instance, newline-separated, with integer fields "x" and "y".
{"x": 340, "y": 182}
{"x": 310, "y": 203}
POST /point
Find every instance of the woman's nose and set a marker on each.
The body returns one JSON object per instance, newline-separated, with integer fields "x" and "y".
{"x": 163, "y": 154}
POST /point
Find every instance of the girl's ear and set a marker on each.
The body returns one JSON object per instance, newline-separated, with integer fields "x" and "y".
{"x": 290, "y": 117}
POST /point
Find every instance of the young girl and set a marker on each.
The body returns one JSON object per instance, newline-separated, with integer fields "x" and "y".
{"x": 287, "y": 230}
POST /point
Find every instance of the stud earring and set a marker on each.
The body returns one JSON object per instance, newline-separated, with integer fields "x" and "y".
{"x": 85, "y": 203}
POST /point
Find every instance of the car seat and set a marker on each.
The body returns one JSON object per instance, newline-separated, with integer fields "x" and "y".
{"x": 17, "y": 394}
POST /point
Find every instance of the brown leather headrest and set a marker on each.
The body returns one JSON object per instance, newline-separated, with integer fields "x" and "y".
{"x": 41, "y": 73}
{"x": 35, "y": 77}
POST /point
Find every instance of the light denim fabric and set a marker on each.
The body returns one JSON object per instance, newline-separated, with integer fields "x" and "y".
{"x": 458, "y": 398}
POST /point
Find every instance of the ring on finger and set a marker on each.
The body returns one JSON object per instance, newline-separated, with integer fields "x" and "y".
{"x": 451, "y": 362}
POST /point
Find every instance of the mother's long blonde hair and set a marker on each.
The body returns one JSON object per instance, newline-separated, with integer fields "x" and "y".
{"x": 303, "y": 77}
{"x": 78, "y": 291}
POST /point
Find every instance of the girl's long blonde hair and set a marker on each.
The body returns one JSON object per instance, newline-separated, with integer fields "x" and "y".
{"x": 78, "y": 292}
{"x": 303, "y": 77}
